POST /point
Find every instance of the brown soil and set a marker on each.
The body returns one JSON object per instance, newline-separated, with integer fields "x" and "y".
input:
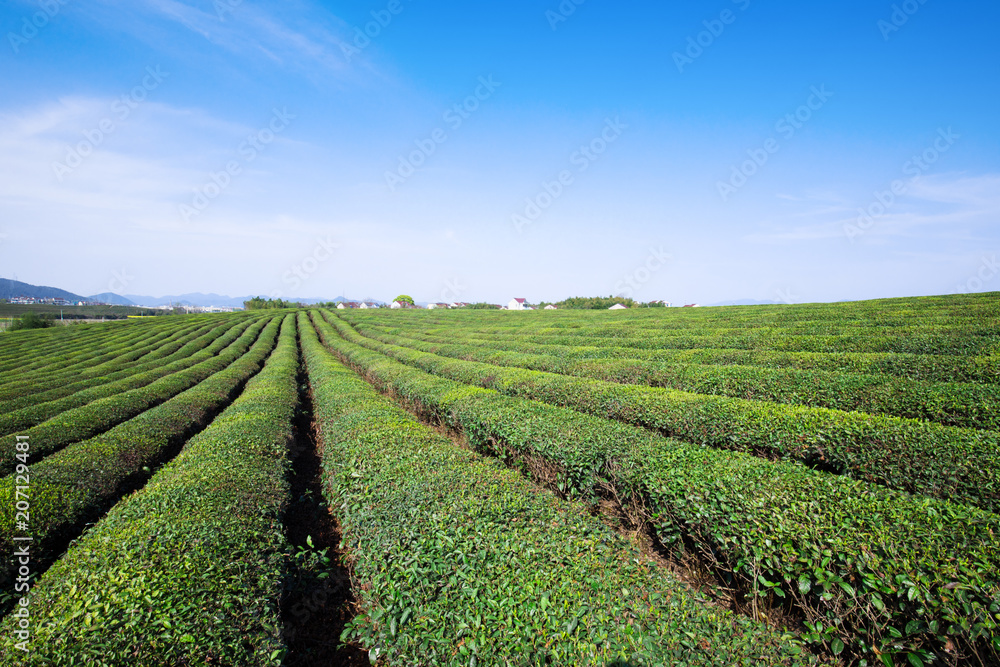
{"x": 315, "y": 610}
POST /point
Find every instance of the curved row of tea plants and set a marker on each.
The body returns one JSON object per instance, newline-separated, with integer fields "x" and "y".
{"x": 74, "y": 485}
{"x": 930, "y": 368}
{"x": 33, "y": 388}
{"x": 89, "y": 420}
{"x": 84, "y": 392}
{"x": 638, "y": 326}
{"x": 871, "y": 569}
{"x": 939, "y": 461}
{"x": 963, "y": 405}
{"x": 665, "y": 326}
{"x": 189, "y": 570}
{"x": 971, "y": 345}
{"x": 58, "y": 348}
{"x": 94, "y": 358}
{"x": 38, "y": 388}
{"x": 463, "y": 562}
{"x": 147, "y": 353}
{"x": 60, "y": 340}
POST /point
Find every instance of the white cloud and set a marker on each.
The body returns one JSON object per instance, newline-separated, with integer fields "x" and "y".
{"x": 931, "y": 206}
{"x": 242, "y": 27}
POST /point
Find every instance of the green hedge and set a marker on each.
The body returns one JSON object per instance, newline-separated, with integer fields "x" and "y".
{"x": 962, "y": 465}
{"x": 89, "y": 420}
{"x": 94, "y": 358}
{"x": 87, "y": 391}
{"x": 148, "y": 352}
{"x": 947, "y": 343}
{"x": 869, "y": 568}
{"x": 63, "y": 349}
{"x": 462, "y": 562}
{"x": 73, "y": 486}
{"x": 962, "y": 405}
{"x": 31, "y": 348}
{"x": 922, "y": 367}
{"x": 189, "y": 570}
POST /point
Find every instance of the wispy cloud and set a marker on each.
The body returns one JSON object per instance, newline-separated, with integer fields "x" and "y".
{"x": 310, "y": 42}
{"x": 931, "y": 206}
{"x": 133, "y": 175}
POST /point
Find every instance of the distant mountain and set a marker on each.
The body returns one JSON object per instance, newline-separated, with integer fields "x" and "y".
{"x": 193, "y": 299}
{"x": 112, "y": 298}
{"x": 12, "y": 288}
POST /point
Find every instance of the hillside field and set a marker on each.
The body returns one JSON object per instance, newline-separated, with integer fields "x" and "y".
{"x": 755, "y": 485}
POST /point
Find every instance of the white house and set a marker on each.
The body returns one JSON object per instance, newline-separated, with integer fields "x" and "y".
{"x": 618, "y": 306}
{"x": 550, "y": 307}
{"x": 341, "y": 306}
{"x": 396, "y": 305}
{"x": 516, "y": 304}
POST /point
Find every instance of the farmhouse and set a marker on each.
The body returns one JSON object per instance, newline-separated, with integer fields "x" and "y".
{"x": 516, "y": 304}
{"x": 617, "y": 306}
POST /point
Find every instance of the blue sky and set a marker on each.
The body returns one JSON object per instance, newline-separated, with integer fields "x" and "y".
{"x": 696, "y": 152}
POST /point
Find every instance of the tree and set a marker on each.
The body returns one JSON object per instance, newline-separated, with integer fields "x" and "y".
{"x": 595, "y": 303}
{"x": 258, "y": 303}
{"x": 30, "y": 321}
{"x": 405, "y": 299}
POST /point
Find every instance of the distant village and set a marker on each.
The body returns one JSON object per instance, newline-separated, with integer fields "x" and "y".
{"x": 517, "y": 303}
{"x": 31, "y": 301}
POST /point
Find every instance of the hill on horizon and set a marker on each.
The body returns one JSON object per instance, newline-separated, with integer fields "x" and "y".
{"x": 15, "y": 288}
